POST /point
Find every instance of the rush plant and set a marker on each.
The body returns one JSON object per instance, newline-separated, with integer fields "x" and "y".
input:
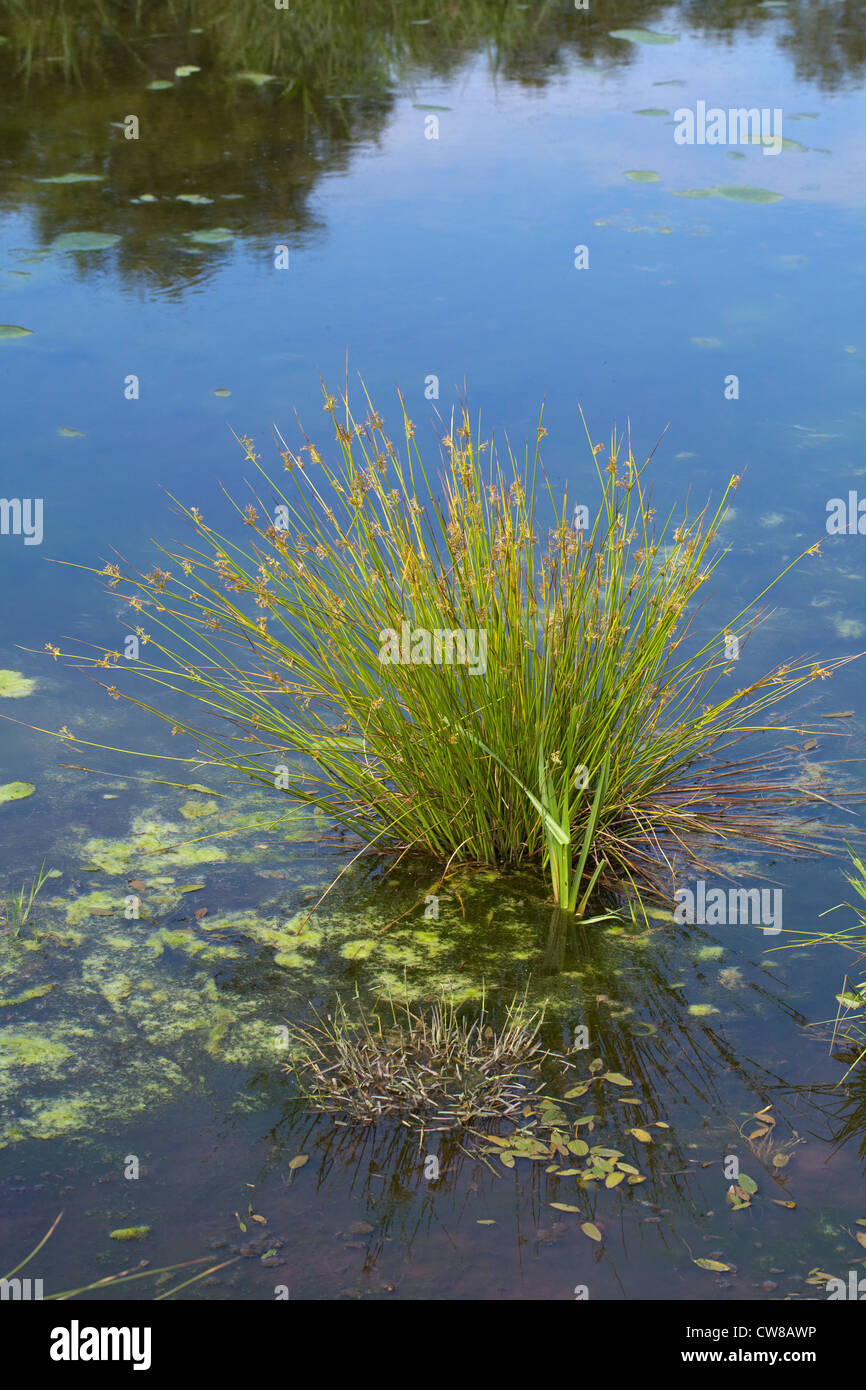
{"x": 327, "y": 657}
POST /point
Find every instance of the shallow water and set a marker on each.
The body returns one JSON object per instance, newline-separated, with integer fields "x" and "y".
{"x": 157, "y": 1036}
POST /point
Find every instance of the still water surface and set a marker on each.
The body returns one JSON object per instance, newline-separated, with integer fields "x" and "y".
{"x": 413, "y": 257}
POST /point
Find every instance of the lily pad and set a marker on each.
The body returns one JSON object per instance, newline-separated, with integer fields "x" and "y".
{"x": 85, "y": 241}
{"x": 13, "y": 686}
{"x": 748, "y": 195}
{"x": 642, "y": 36}
{"x": 15, "y": 791}
{"x": 13, "y": 330}
{"x": 642, "y": 175}
{"x": 211, "y": 236}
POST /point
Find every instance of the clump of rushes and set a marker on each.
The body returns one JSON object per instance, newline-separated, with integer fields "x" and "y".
{"x": 587, "y": 742}
{"x": 434, "y": 1068}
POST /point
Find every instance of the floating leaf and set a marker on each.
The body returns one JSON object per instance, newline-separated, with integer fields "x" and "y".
{"x": 702, "y": 1010}
{"x": 186, "y": 70}
{"x": 84, "y": 241}
{"x": 714, "y": 1265}
{"x": 642, "y": 36}
{"x": 749, "y": 195}
{"x": 192, "y": 198}
{"x": 639, "y": 1178}
{"x": 757, "y": 1134}
{"x": 563, "y": 1206}
{"x": 628, "y": 1168}
{"x": 262, "y": 1220}
{"x": 15, "y": 791}
{"x": 507, "y": 1159}
{"x": 211, "y": 236}
{"x": 129, "y": 1233}
{"x": 591, "y": 1230}
{"x": 613, "y": 1179}
{"x": 12, "y": 330}
{"x": 158, "y": 85}
{"x": 642, "y": 175}
{"x": 860, "y": 1237}
{"x": 737, "y": 1197}
{"x": 73, "y": 178}
{"x": 779, "y": 1160}
{"x": 617, "y": 1078}
{"x": 258, "y": 79}
{"x": 661, "y": 1124}
{"x": 67, "y": 433}
{"x": 578, "y": 1091}
{"x": 222, "y": 391}
{"x": 748, "y": 1183}
{"x": 642, "y": 1134}
{"x": 861, "y": 1221}
{"x": 298, "y": 1161}
{"x": 485, "y": 1223}
{"x": 579, "y": 1147}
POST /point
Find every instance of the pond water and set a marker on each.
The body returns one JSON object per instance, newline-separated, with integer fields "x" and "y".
{"x": 432, "y": 171}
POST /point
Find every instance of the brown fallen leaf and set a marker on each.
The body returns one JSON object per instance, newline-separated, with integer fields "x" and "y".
{"x": 137, "y": 885}
{"x": 777, "y": 1201}
{"x": 810, "y": 744}
{"x": 202, "y": 912}
{"x": 262, "y": 1220}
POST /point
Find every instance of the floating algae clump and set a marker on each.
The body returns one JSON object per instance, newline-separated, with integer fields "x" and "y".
{"x": 97, "y": 903}
{"x": 129, "y": 1233}
{"x": 29, "y": 1049}
{"x": 194, "y": 810}
{"x": 151, "y": 836}
{"x": 13, "y": 686}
